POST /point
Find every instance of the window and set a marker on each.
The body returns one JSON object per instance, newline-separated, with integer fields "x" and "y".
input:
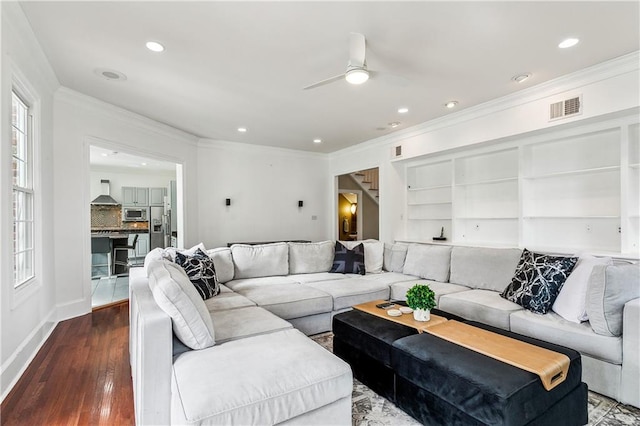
{"x": 23, "y": 194}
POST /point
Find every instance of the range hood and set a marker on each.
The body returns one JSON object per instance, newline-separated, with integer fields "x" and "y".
{"x": 105, "y": 199}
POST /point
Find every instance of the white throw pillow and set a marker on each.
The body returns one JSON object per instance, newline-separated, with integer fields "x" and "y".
{"x": 170, "y": 252}
{"x": 571, "y": 301}
{"x": 178, "y": 298}
{"x": 394, "y": 256}
{"x": 373, "y": 254}
{"x": 223, "y": 262}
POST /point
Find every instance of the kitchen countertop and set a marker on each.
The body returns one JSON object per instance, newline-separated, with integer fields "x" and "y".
{"x": 112, "y": 235}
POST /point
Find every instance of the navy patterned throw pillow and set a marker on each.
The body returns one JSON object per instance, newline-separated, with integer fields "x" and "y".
{"x": 347, "y": 261}
{"x": 538, "y": 280}
{"x": 201, "y": 273}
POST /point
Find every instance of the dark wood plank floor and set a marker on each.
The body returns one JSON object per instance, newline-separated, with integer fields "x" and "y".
{"x": 81, "y": 376}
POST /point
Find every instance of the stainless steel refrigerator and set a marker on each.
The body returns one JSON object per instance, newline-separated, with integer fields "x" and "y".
{"x": 159, "y": 227}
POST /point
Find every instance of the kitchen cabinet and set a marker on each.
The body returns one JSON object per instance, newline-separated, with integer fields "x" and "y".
{"x": 156, "y": 196}
{"x": 135, "y": 197}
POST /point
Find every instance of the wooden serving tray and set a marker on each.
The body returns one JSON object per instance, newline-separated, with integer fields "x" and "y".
{"x": 404, "y": 319}
{"x": 552, "y": 367}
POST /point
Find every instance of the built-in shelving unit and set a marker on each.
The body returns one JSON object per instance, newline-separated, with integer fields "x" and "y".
{"x": 567, "y": 191}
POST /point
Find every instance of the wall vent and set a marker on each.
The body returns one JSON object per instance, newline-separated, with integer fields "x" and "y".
{"x": 565, "y": 108}
{"x": 397, "y": 151}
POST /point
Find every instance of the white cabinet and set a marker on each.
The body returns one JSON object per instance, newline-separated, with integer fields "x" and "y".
{"x": 429, "y": 200}
{"x": 136, "y": 197}
{"x": 156, "y": 196}
{"x": 632, "y": 236}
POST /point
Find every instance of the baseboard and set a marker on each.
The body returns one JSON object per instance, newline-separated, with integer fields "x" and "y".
{"x": 14, "y": 367}
{"x": 73, "y": 309}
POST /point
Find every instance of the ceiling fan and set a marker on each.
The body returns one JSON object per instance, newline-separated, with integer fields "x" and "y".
{"x": 357, "y": 72}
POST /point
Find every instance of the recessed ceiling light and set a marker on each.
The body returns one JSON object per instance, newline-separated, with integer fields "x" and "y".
{"x": 110, "y": 74}
{"x": 144, "y": 164}
{"x": 381, "y": 128}
{"x": 154, "y": 46}
{"x": 394, "y": 124}
{"x": 403, "y": 110}
{"x": 317, "y": 141}
{"x": 451, "y": 104}
{"x": 104, "y": 154}
{"x": 570, "y": 42}
{"x": 521, "y": 77}
{"x": 242, "y": 129}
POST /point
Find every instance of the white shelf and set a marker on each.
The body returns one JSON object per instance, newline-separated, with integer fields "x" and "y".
{"x": 487, "y": 218}
{"x": 635, "y": 166}
{"x": 426, "y": 188}
{"x": 488, "y": 181}
{"x": 429, "y": 203}
{"x": 570, "y": 217}
{"x": 429, "y": 218}
{"x": 575, "y": 172}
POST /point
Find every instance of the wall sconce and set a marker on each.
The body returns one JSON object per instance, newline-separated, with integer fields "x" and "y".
{"x": 300, "y": 203}
{"x": 353, "y": 208}
{"x": 227, "y": 202}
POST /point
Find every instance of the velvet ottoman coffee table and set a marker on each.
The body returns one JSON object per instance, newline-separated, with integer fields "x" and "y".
{"x": 441, "y": 383}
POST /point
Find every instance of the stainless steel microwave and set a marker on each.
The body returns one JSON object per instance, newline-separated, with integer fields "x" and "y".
{"x": 131, "y": 214}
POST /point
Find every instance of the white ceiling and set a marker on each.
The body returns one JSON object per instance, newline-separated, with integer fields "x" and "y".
{"x": 110, "y": 159}
{"x": 232, "y": 64}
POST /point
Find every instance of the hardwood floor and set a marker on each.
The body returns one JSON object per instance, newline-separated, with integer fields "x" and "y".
{"x": 81, "y": 376}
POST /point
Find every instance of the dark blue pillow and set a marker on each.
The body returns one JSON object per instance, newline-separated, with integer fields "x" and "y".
{"x": 201, "y": 273}
{"x": 347, "y": 261}
{"x": 538, "y": 280}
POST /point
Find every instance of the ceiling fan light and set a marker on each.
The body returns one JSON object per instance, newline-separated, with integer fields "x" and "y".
{"x": 357, "y": 76}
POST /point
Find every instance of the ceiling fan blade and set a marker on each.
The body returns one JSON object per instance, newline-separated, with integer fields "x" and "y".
{"x": 357, "y": 47}
{"x": 323, "y": 82}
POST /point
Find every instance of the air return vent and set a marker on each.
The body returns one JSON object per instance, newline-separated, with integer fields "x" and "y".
{"x": 565, "y": 108}
{"x": 396, "y": 151}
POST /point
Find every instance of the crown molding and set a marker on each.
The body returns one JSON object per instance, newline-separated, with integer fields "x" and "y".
{"x": 599, "y": 72}
{"x": 245, "y": 147}
{"x": 70, "y": 96}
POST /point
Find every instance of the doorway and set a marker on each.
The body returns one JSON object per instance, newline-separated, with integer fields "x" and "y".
{"x": 357, "y": 205}
{"x": 133, "y": 201}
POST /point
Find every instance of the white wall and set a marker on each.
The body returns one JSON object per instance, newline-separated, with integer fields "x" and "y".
{"x": 265, "y": 185}
{"x": 28, "y": 315}
{"x": 122, "y": 177}
{"x": 606, "y": 89}
{"x": 81, "y": 121}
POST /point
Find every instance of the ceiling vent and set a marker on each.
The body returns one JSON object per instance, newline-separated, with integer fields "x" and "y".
{"x": 566, "y": 108}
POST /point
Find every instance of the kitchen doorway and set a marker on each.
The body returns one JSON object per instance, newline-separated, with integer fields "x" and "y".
{"x": 134, "y": 210}
{"x": 357, "y": 205}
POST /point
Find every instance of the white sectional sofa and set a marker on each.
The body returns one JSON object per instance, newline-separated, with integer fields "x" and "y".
{"x": 263, "y": 370}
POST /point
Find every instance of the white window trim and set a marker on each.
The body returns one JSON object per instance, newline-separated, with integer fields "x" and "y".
{"x": 25, "y": 290}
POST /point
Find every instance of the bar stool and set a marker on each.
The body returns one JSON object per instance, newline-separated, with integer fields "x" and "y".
{"x": 118, "y": 261}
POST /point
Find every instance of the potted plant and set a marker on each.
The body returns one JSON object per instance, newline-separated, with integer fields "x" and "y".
{"x": 421, "y": 299}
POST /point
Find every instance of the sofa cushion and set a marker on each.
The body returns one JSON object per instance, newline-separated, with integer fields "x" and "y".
{"x": 199, "y": 268}
{"x": 399, "y": 289}
{"x": 308, "y": 258}
{"x": 265, "y": 379}
{"x": 553, "y": 328}
{"x": 169, "y": 253}
{"x": 178, "y": 298}
{"x": 538, "y": 279}
{"x": 289, "y": 300}
{"x": 485, "y": 306}
{"x": 348, "y": 261}
{"x": 347, "y": 293}
{"x": 227, "y": 299}
{"x": 430, "y": 262}
{"x": 610, "y": 287}
{"x": 394, "y": 255}
{"x": 319, "y": 276}
{"x": 373, "y": 254}
{"x": 483, "y": 268}
{"x": 391, "y": 277}
{"x": 245, "y": 322}
{"x": 261, "y": 260}
{"x": 223, "y": 262}
{"x": 571, "y": 303}
{"x": 237, "y": 285}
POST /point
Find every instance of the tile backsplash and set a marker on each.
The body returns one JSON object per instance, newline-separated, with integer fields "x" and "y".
{"x": 106, "y": 217}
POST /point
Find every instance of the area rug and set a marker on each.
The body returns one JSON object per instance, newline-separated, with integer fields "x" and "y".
{"x": 369, "y": 409}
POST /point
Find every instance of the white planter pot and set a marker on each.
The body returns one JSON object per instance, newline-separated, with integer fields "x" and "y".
{"x": 422, "y": 314}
